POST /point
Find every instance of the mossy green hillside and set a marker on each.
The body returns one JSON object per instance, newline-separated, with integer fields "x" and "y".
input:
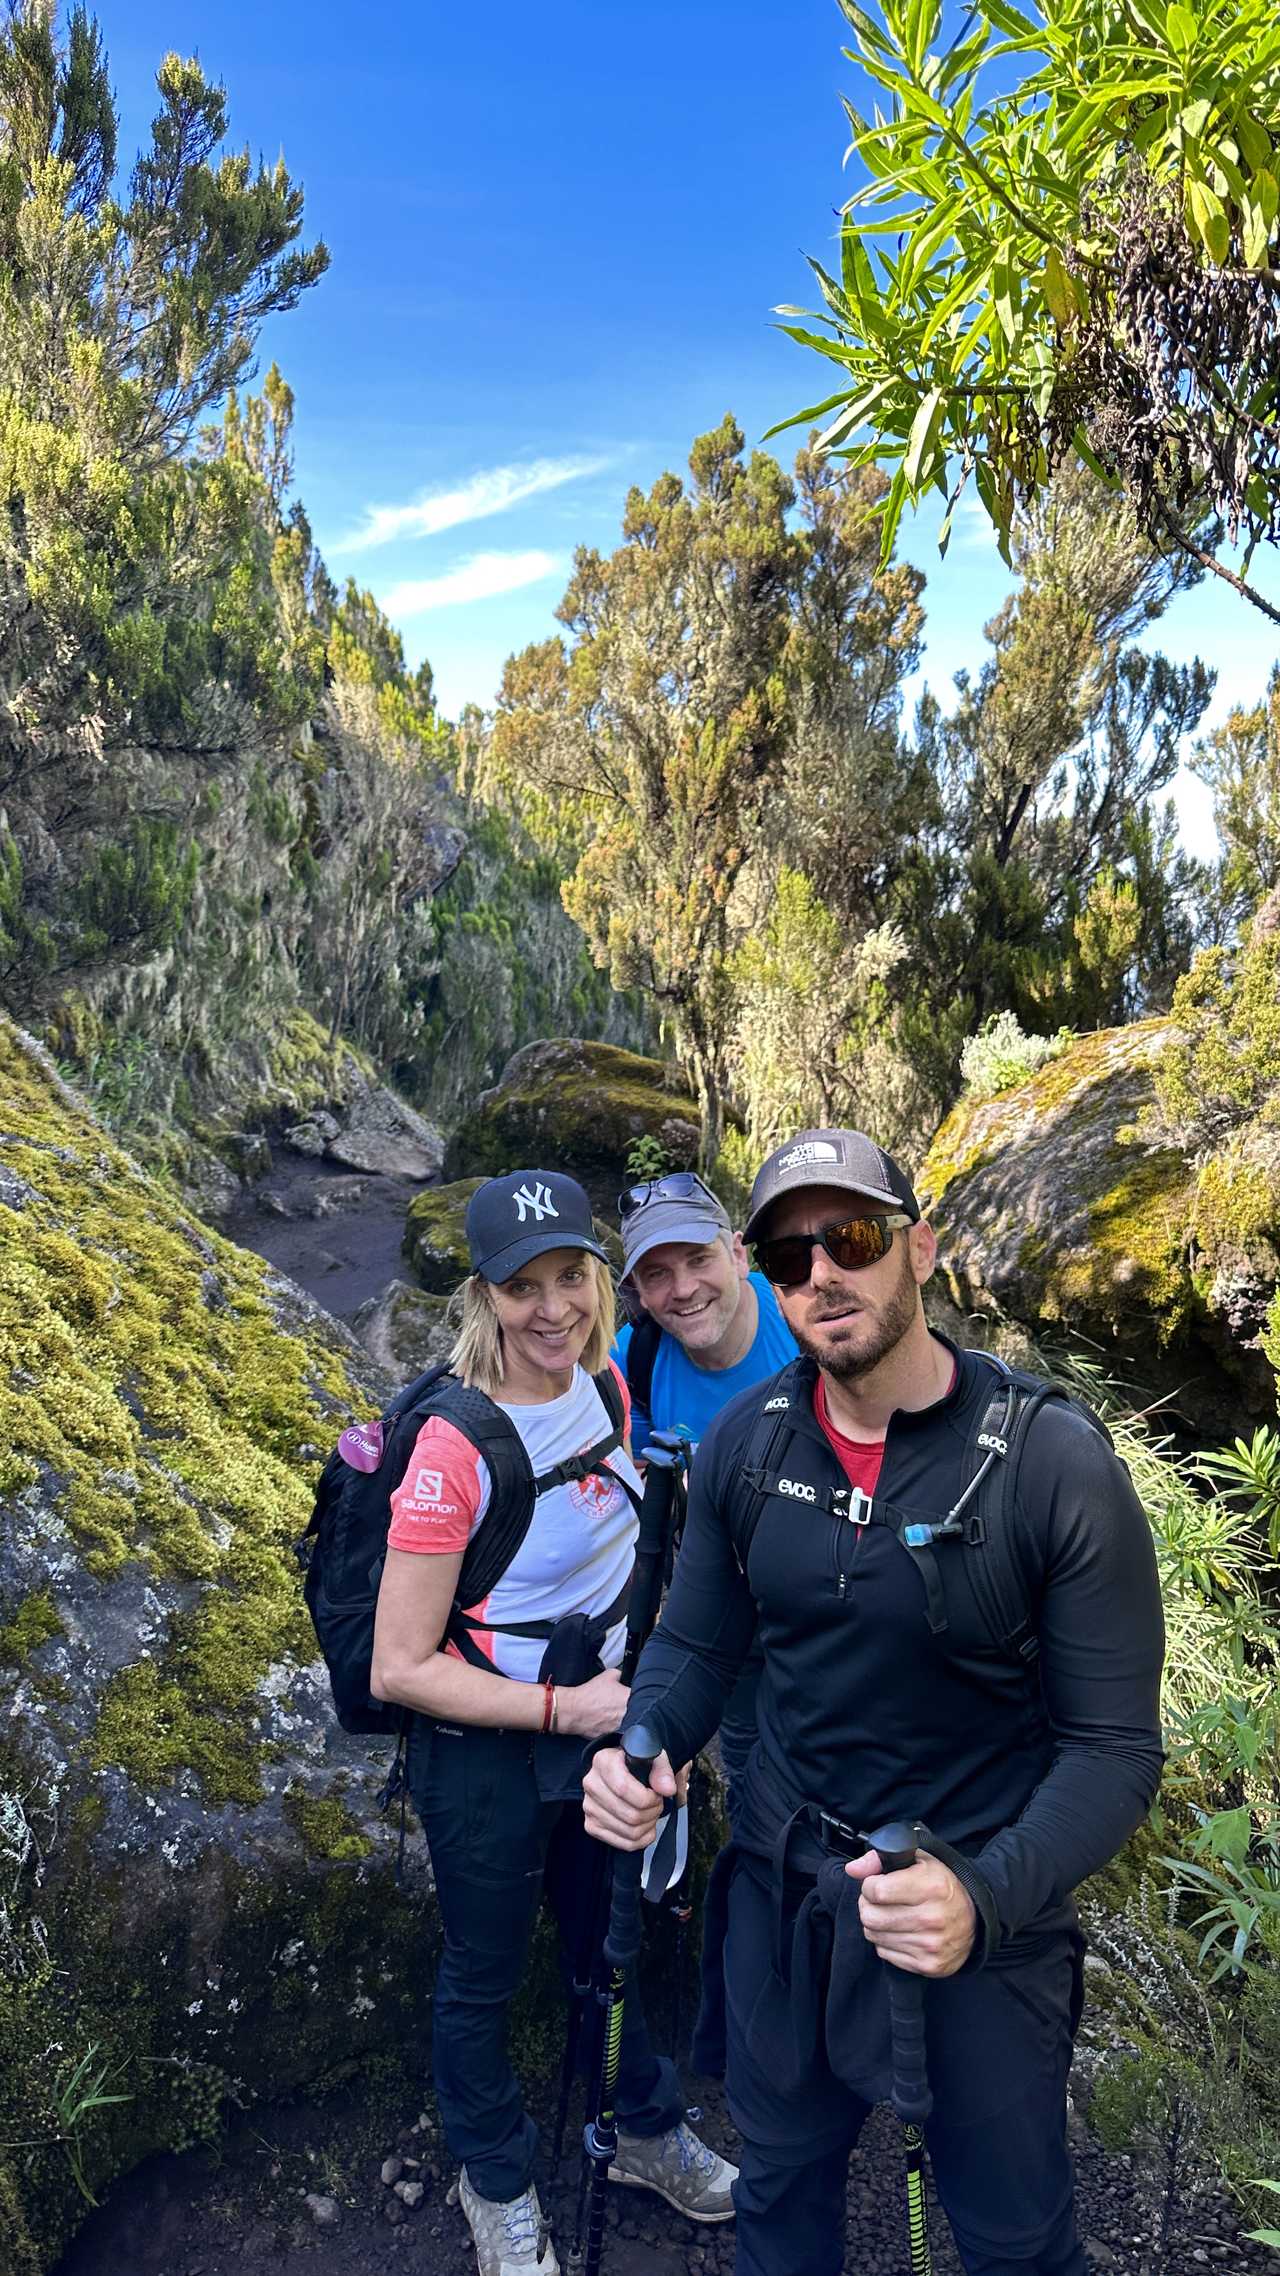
{"x": 179, "y": 1109}
{"x": 145, "y": 1383}
{"x": 190, "y": 1896}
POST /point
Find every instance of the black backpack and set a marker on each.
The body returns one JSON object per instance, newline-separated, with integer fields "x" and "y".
{"x": 983, "y": 1517}
{"x": 344, "y": 1547}
{"x": 642, "y": 1350}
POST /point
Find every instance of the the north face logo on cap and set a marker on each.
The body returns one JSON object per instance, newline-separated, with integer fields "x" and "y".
{"x": 814, "y": 1150}
{"x": 539, "y": 1202}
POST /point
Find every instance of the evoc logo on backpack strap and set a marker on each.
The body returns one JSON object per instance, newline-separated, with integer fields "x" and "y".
{"x": 984, "y": 1518}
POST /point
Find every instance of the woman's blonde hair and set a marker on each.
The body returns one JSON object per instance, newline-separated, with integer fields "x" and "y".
{"x": 477, "y": 1357}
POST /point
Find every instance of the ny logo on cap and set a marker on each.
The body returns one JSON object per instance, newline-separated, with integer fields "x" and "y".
{"x": 539, "y": 1201}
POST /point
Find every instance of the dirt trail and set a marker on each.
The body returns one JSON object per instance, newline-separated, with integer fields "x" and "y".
{"x": 243, "y": 2213}
{"x": 336, "y": 1232}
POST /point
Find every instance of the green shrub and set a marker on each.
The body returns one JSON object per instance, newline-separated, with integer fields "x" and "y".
{"x": 1000, "y": 1056}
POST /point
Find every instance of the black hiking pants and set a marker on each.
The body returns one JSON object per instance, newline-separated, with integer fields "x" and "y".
{"x": 999, "y": 2046}
{"x": 495, "y": 1846}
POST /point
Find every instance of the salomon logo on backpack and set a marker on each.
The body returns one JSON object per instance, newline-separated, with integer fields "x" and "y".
{"x": 344, "y": 1547}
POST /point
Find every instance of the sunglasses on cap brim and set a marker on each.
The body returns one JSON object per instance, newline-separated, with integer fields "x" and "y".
{"x": 852, "y": 1244}
{"x": 677, "y": 1185}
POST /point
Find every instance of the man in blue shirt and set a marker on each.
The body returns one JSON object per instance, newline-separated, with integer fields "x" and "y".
{"x": 708, "y": 1329}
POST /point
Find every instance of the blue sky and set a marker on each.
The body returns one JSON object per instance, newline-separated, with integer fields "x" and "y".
{"x": 557, "y": 238}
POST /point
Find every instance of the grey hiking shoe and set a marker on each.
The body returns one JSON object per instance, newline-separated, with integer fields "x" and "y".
{"x": 511, "y": 2238}
{"x": 680, "y": 2168}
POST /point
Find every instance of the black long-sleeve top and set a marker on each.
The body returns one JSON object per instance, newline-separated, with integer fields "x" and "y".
{"x": 1038, "y": 1776}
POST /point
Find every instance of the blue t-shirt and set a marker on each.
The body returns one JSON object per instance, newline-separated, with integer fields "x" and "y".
{"x": 688, "y": 1397}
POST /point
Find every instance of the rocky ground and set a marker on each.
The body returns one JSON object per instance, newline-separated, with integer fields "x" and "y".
{"x": 301, "y": 2191}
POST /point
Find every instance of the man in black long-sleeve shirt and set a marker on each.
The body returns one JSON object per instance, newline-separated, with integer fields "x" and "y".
{"x": 886, "y": 1695}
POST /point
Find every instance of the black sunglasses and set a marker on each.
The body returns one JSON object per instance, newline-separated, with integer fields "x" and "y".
{"x": 677, "y": 1185}
{"x": 852, "y": 1244}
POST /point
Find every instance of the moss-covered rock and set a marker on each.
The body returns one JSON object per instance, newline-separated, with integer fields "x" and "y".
{"x": 580, "y": 1107}
{"x": 196, "y": 1894}
{"x": 1060, "y": 1204}
{"x": 435, "y": 1241}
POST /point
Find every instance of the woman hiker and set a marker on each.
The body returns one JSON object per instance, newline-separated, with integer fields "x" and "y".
{"x": 495, "y": 1745}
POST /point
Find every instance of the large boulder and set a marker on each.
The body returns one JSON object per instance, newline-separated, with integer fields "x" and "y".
{"x": 382, "y": 1134}
{"x": 1059, "y": 1204}
{"x": 579, "y": 1107}
{"x": 196, "y": 1892}
{"x": 405, "y": 1329}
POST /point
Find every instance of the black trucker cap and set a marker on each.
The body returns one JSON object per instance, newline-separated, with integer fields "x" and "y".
{"x": 829, "y": 1157}
{"x": 514, "y": 1218}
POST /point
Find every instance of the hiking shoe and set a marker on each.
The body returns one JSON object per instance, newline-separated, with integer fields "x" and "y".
{"x": 680, "y": 2168}
{"x": 511, "y": 2239}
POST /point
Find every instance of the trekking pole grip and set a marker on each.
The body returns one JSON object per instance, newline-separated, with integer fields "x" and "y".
{"x": 897, "y": 1847}
{"x": 622, "y": 1943}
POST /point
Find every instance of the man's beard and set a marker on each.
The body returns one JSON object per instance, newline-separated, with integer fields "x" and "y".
{"x": 846, "y": 1364}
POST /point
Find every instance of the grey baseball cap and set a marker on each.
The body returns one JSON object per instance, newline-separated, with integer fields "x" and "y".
{"x": 512, "y": 1219}
{"x": 678, "y": 1208}
{"x": 845, "y": 1158}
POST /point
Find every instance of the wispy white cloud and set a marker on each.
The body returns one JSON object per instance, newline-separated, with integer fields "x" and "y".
{"x": 973, "y": 527}
{"x": 478, "y": 579}
{"x": 492, "y": 491}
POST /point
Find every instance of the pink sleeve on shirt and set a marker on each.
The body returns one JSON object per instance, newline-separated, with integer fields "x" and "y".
{"x": 442, "y": 1495}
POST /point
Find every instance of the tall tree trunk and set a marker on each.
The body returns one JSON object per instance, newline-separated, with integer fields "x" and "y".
{"x": 702, "y": 1061}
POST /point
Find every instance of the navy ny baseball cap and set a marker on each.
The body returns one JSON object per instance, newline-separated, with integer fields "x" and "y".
{"x": 514, "y": 1218}
{"x": 829, "y": 1157}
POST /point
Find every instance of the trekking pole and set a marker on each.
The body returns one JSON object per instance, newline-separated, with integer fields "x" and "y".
{"x": 664, "y": 1460}
{"x": 896, "y": 1846}
{"x": 621, "y": 1945}
{"x": 595, "y": 1918}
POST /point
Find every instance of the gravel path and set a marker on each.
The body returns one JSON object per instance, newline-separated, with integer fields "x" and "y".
{"x": 300, "y": 2191}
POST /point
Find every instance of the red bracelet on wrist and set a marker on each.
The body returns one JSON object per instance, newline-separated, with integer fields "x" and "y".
{"x": 548, "y": 1705}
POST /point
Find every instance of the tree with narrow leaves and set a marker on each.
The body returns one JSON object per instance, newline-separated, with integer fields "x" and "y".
{"x": 1064, "y": 244}
{"x": 1240, "y": 763}
{"x": 654, "y": 741}
{"x": 139, "y": 624}
{"x": 1045, "y": 776}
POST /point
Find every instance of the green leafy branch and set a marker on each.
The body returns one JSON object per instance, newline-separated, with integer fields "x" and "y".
{"x": 987, "y": 254}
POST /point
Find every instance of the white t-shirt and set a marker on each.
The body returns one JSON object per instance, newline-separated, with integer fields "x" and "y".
{"x": 580, "y": 1544}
